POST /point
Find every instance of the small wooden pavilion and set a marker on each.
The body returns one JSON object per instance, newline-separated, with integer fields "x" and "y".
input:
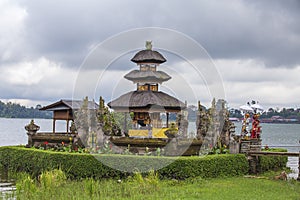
{"x": 63, "y": 110}
{"x": 147, "y": 102}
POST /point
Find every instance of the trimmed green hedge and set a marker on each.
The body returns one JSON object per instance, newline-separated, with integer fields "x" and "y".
{"x": 267, "y": 163}
{"x": 77, "y": 166}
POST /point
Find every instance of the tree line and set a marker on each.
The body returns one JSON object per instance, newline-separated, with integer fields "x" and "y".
{"x": 287, "y": 113}
{"x": 15, "y": 110}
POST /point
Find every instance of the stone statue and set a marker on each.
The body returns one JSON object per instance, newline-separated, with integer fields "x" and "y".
{"x": 32, "y": 128}
{"x": 182, "y": 124}
{"x": 149, "y": 45}
{"x": 172, "y": 131}
{"x": 202, "y": 122}
{"x": 73, "y": 128}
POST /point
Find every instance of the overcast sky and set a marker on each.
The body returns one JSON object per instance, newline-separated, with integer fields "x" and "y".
{"x": 254, "y": 46}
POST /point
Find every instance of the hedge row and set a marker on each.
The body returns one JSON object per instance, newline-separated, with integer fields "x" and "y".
{"x": 267, "y": 163}
{"x": 78, "y": 166}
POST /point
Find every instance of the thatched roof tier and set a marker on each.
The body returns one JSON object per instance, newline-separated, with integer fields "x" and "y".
{"x": 148, "y": 56}
{"x": 138, "y": 76}
{"x": 147, "y": 101}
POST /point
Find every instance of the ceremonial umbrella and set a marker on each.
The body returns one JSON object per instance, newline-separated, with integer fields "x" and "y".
{"x": 246, "y": 108}
{"x": 258, "y": 108}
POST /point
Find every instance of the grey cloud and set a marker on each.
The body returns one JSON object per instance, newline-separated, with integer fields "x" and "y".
{"x": 65, "y": 31}
{"x": 265, "y": 30}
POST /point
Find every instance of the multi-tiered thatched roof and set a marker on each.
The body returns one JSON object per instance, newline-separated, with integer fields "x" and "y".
{"x": 148, "y": 56}
{"x": 147, "y": 101}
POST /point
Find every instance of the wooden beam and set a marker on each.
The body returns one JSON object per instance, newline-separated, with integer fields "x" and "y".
{"x": 152, "y": 110}
{"x": 54, "y": 125}
{"x": 125, "y": 122}
{"x": 167, "y": 120}
{"x": 143, "y": 142}
{"x": 68, "y": 113}
{"x": 67, "y": 126}
{"x": 298, "y": 179}
{"x": 50, "y": 136}
{"x": 268, "y": 153}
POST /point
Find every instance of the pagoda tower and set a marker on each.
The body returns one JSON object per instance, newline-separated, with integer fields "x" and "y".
{"x": 147, "y": 102}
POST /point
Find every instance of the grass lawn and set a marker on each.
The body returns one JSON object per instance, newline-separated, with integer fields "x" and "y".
{"x": 150, "y": 187}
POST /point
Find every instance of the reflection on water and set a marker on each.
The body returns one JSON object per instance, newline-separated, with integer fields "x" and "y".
{"x": 7, "y": 190}
{"x": 7, "y": 186}
{"x": 293, "y": 164}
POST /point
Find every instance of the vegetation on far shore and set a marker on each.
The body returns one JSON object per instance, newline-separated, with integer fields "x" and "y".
{"x": 15, "y": 110}
{"x": 286, "y": 113}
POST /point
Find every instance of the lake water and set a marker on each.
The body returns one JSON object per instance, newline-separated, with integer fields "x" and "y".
{"x": 12, "y": 132}
{"x": 285, "y": 135}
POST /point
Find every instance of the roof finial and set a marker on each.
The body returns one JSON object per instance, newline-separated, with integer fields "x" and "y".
{"x": 149, "y": 45}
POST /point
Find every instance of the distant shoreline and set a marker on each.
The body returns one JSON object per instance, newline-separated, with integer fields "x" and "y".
{"x": 25, "y": 117}
{"x": 280, "y": 122}
{"x": 262, "y": 122}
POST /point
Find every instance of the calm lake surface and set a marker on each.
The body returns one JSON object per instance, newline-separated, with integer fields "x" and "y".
{"x": 281, "y": 135}
{"x": 12, "y": 132}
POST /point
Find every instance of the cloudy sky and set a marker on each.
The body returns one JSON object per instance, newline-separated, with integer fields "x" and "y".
{"x": 253, "y": 45}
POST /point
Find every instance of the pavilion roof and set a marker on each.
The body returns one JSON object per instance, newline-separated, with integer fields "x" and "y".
{"x": 69, "y": 105}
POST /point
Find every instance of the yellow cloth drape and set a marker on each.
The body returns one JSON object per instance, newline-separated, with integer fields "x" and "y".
{"x": 156, "y": 133}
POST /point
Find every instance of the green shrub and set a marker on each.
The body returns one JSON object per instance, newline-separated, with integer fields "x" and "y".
{"x": 267, "y": 163}
{"x": 54, "y": 178}
{"x": 26, "y": 185}
{"x": 77, "y": 166}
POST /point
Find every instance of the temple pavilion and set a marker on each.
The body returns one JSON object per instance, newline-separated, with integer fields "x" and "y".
{"x": 147, "y": 104}
{"x": 63, "y": 110}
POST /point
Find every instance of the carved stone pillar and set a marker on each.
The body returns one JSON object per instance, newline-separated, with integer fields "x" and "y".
{"x": 31, "y": 129}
